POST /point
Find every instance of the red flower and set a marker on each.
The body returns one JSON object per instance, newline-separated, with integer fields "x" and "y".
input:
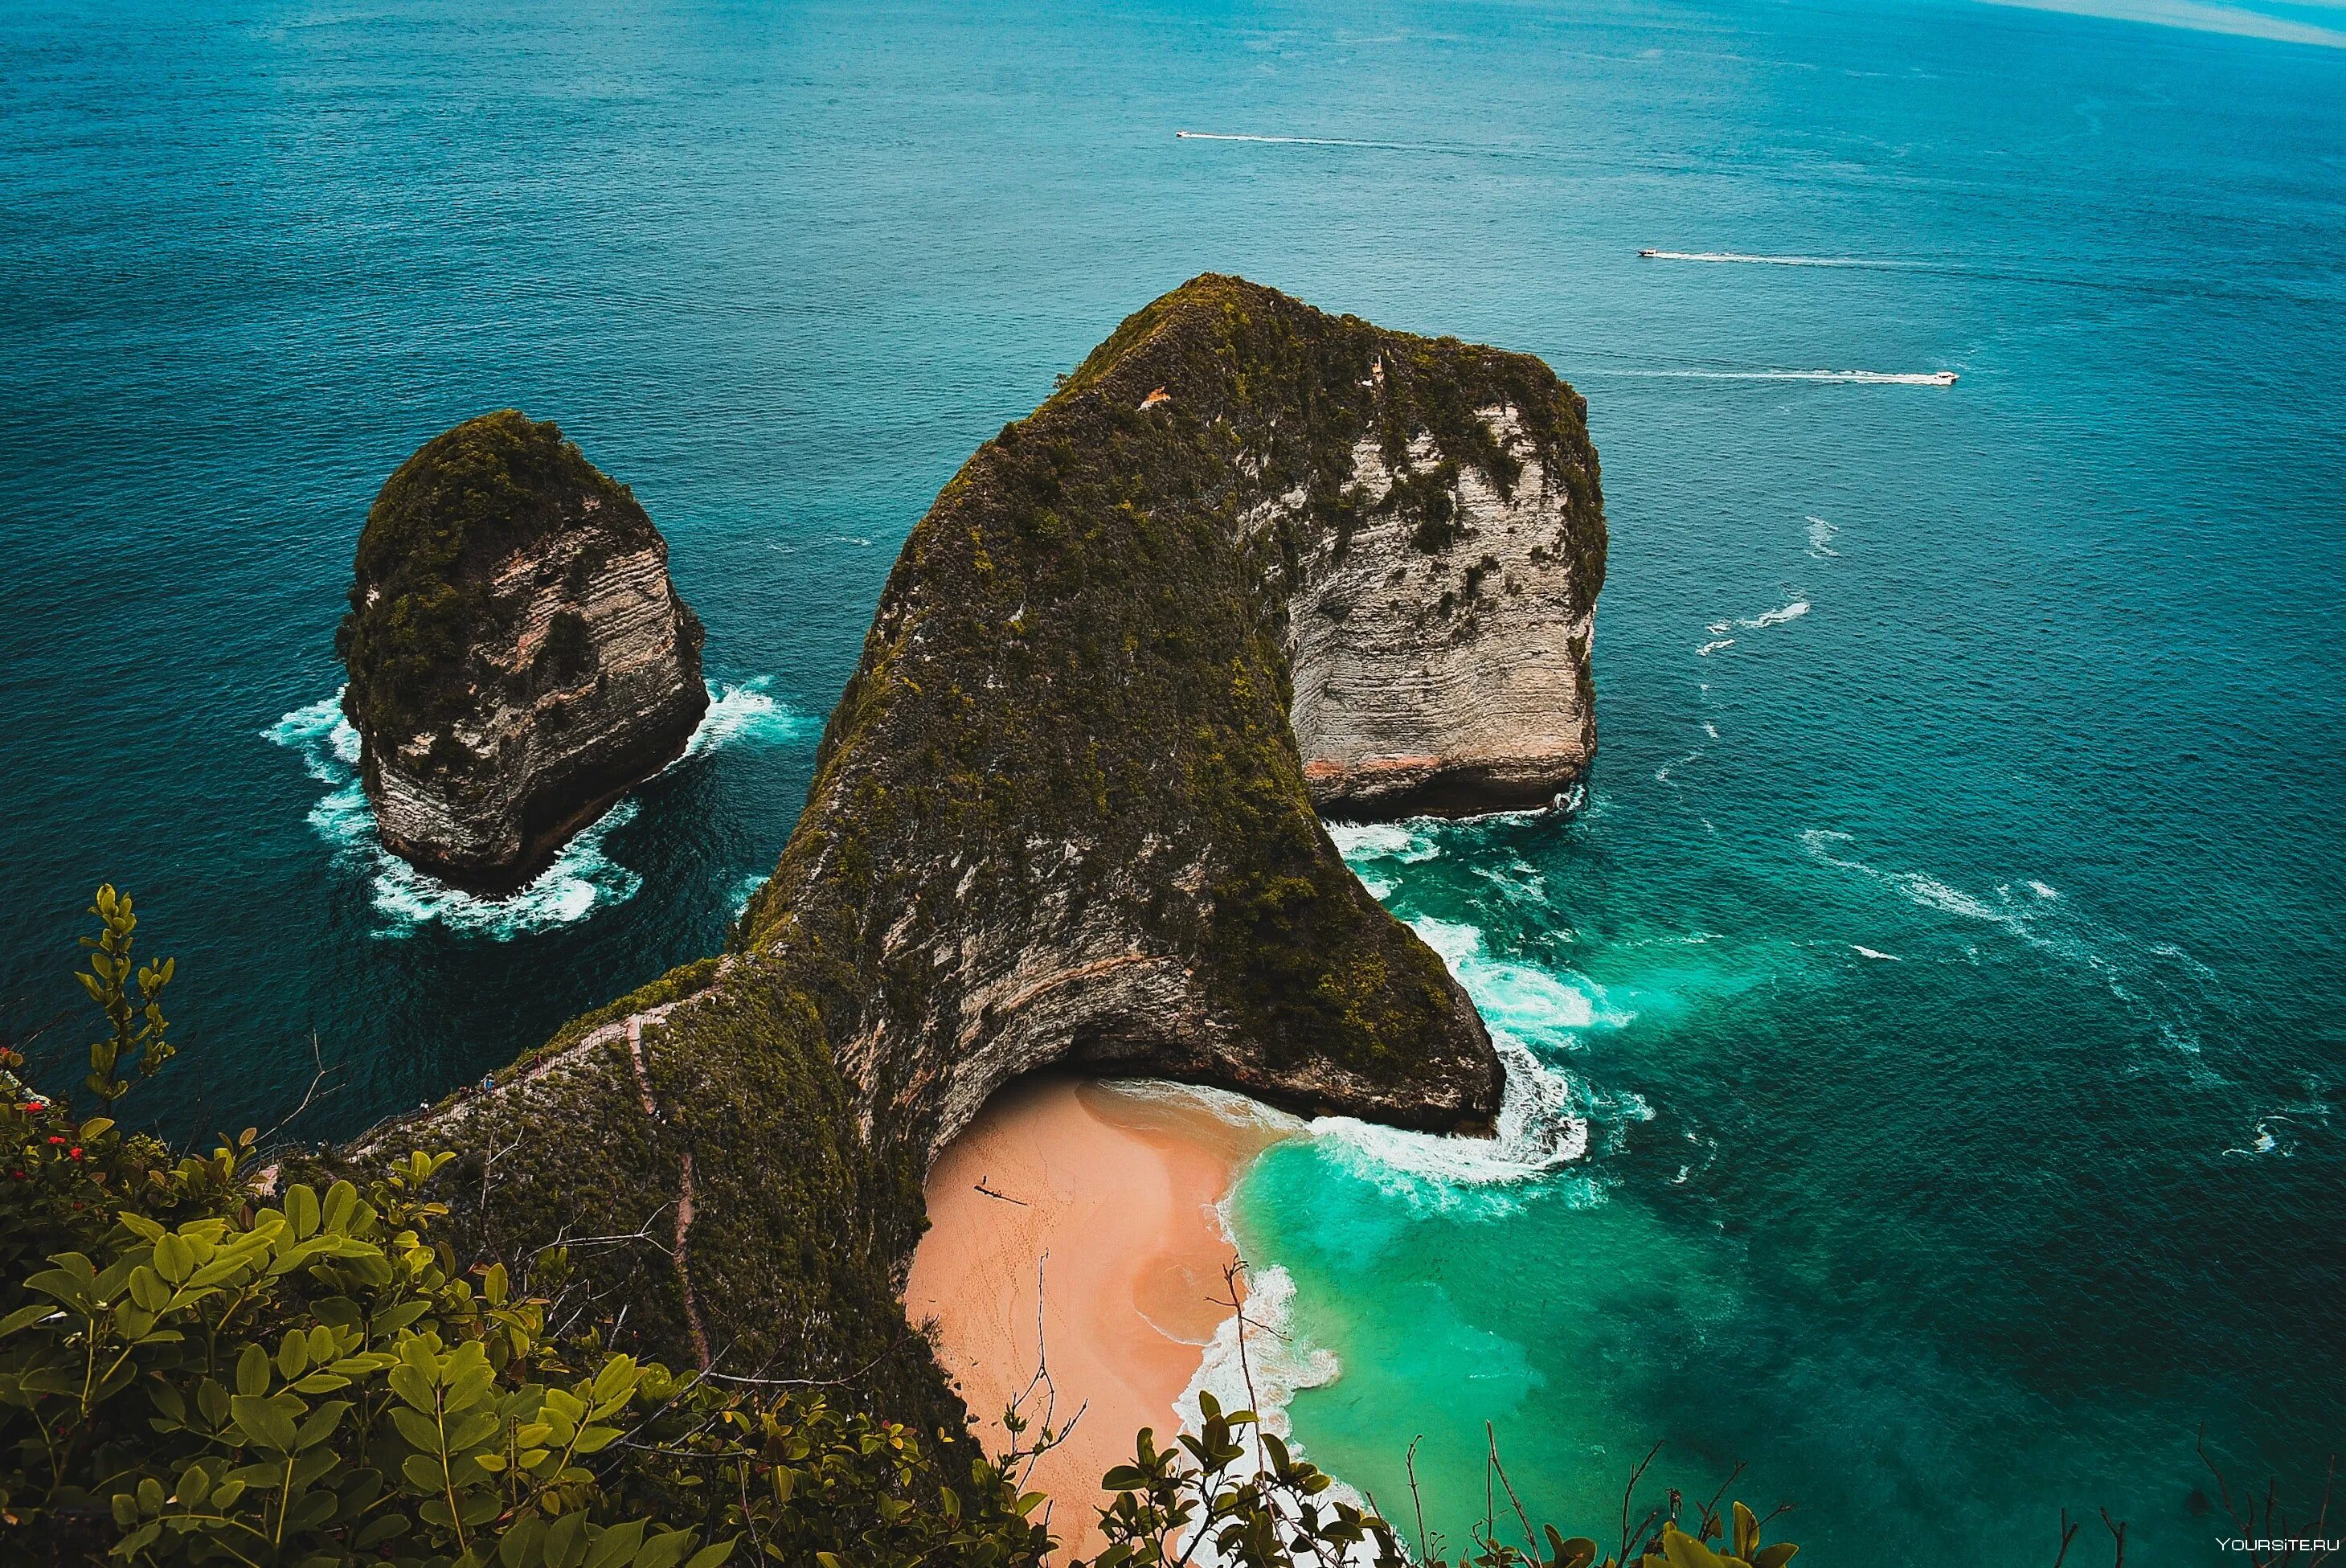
{"x": 55, "y": 1140}
{"x": 73, "y": 1153}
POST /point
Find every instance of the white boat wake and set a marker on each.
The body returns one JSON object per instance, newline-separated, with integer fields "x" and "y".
{"x": 1859, "y": 378}
{"x": 1303, "y": 141}
{"x": 1745, "y": 259}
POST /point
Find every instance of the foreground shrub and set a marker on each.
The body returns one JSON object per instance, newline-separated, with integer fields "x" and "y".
{"x": 192, "y": 1372}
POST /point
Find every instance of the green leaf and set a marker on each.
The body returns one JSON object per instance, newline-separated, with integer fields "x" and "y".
{"x": 264, "y": 1421}
{"x": 376, "y": 1531}
{"x": 66, "y": 1285}
{"x": 301, "y": 1210}
{"x": 565, "y": 1542}
{"x": 320, "y": 1426}
{"x": 424, "y": 1472}
{"x": 420, "y": 1432}
{"x": 595, "y": 1439}
{"x": 665, "y": 1550}
{"x": 392, "y": 1318}
{"x": 252, "y": 1372}
{"x": 1683, "y": 1551}
{"x": 1577, "y": 1553}
{"x": 520, "y": 1547}
{"x": 616, "y": 1547}
{"x": 23, "y": 1317}
{"x": 474, "y": 1431}
{"x": 1775, "y": 1556}
{"x": 416, "y": 1389}
{"x": 712, "y": 1556}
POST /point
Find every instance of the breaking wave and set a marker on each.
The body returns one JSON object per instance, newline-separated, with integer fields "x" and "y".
{"x": 1544, "y": 1113}
{"x": 583, "y": 877}
{"x": 744, "y": 712}
{"x": 1359, "y": 843}
{"x": 1821, "y": 537}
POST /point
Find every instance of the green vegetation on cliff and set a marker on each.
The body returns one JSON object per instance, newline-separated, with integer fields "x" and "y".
{"x": 465, "y": 501}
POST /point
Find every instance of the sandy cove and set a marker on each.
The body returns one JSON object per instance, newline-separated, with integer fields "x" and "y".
{"x": 1112, "y": 1191}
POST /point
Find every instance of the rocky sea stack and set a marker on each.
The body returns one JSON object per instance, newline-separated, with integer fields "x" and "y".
{"x": 1249, "y": 559}
{"x": 518, "y": 658}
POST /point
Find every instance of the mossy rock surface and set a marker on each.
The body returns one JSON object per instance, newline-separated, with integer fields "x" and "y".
{"x": 465, "y": 502}
{"x": 518, "y": 656}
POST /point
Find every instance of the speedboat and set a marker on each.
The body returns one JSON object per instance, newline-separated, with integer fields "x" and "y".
{"x": 1650, "y": 253}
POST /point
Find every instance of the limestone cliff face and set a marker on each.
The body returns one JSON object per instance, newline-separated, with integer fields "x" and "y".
{"x": 1249, "y": 556}
{"x": 1441, "y": 661}
{"x": 518, "y": 657}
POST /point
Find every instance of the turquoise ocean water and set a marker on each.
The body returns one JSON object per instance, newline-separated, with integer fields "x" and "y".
{"x": 1940, "y": 993}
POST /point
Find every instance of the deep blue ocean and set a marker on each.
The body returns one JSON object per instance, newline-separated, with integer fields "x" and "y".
{"x": 1942, "y": 994}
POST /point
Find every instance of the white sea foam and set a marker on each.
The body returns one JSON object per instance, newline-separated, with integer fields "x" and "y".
{"x": 2267, "y": 1141}
{"x": 1364, "y": 842}
{"x": 1529, "y": 1001}
{"x": 1239, "y": 1110}
{"x": 1777, "y": 617}
{"x": 1543, "y": 1114}
{"x": 582, "y": 878}
{"x": 745, "y": 888}
{"x": 1863, "y": 950}
{"x": 746, "y": 712}
{"x": 1278, "y": 1362}
{"x": 2042, "y": 920}
{"x": 1519, "y": 882}
{"x": 1820, "y": 538}
{"x": 1711, "y": 647}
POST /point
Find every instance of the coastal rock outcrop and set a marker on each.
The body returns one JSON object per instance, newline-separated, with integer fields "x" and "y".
{"x": 1250, "y": 558}
{"x": 518, "y": 658}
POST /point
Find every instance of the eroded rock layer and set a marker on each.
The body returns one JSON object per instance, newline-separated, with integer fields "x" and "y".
{"x": 518, "y": 657}
{"x": 1248, "y": 557}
